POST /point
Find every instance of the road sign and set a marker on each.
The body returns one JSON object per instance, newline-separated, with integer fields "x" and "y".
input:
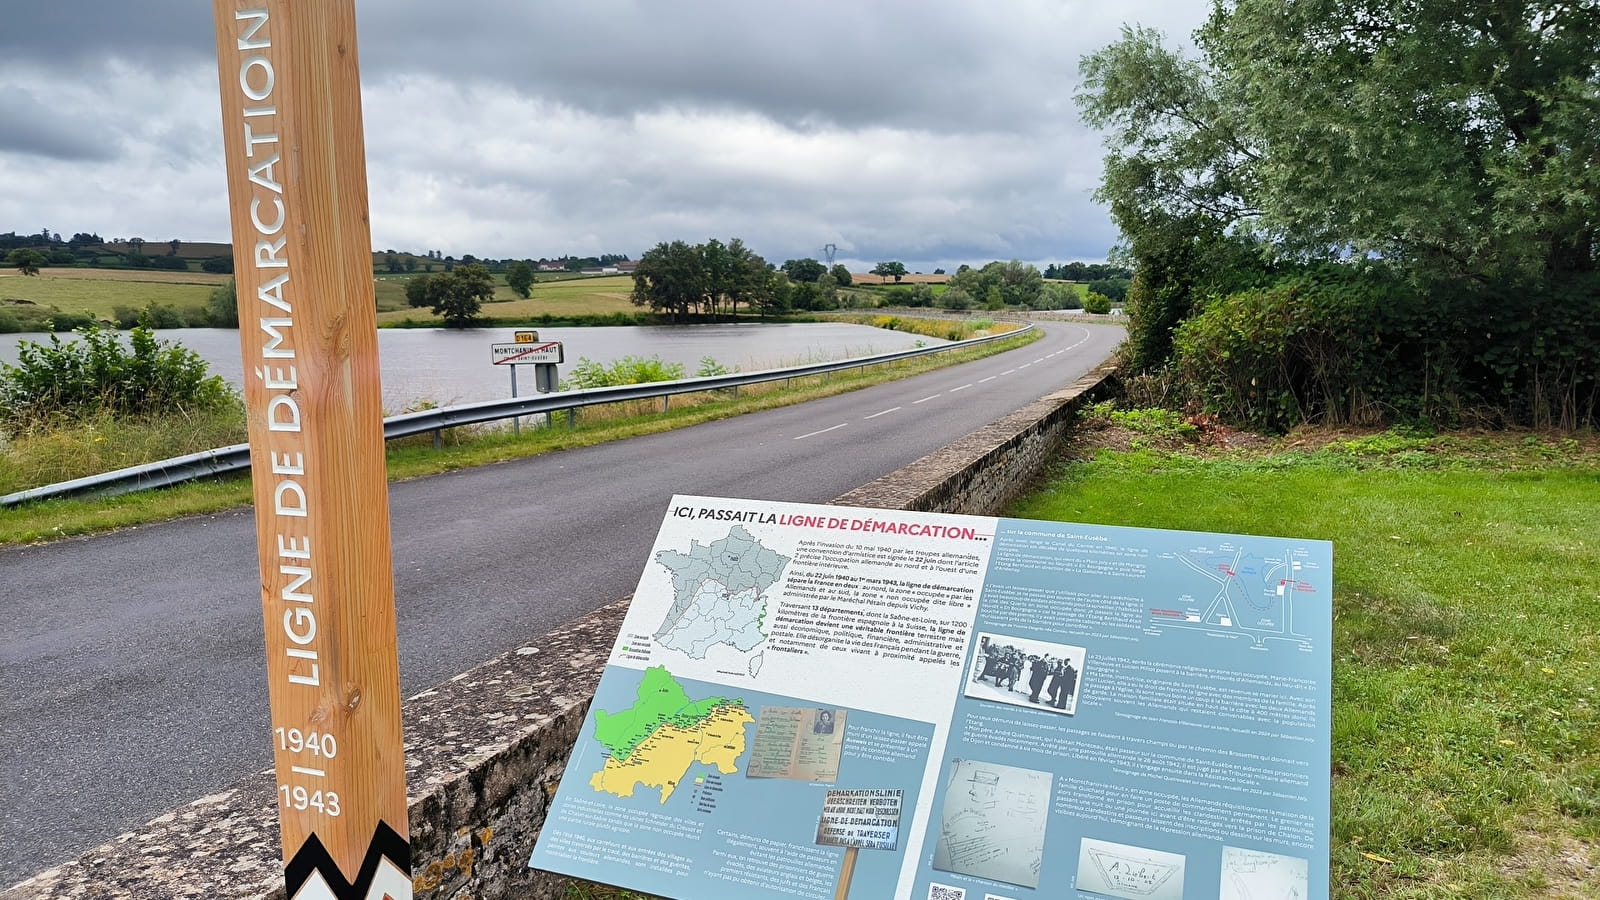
{"x": 546, "y": 353}
{"x": 525, "y": 337}
{"x": 297, "y": 181}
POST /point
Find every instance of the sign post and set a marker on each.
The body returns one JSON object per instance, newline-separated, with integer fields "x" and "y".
{"x": 291, "y": 114}
{"x": 528, "y": 350}
{"x": 855, "y": 820}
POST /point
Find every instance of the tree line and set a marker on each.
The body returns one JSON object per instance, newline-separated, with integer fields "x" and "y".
{"x": 1354, "y": 212}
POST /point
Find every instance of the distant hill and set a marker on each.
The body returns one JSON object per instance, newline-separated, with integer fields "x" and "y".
{"x": 186, "y": 249}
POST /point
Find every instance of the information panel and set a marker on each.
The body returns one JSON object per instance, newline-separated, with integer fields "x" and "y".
{"x": 822, "y": 701}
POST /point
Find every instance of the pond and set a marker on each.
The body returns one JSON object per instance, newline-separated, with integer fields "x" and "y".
{"x": 446, "y": 367}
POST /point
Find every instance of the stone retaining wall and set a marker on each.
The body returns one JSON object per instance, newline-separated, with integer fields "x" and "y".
{"x": 485, "y": 750}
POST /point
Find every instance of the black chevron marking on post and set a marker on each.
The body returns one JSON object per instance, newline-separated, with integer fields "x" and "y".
{"x": 313, "y": 857}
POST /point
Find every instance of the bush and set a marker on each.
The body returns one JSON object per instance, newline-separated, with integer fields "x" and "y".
{"x": 710, "y": 368}
{"x": 1361, "y": 345}
{"x": 75, "y": 379}
{"x": 1099, "y": 304}
{"x": 627, "y": 370}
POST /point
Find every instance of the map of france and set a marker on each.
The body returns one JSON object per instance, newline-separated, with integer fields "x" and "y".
{"x": 655, "y": 741}
{"x": 718, "y": 594}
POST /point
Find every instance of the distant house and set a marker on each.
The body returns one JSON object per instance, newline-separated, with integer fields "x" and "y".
{"x": 552, "y": 267}
{"x": 627, "y": 267}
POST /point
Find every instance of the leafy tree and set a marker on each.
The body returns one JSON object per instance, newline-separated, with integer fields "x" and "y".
{"x": 954, "y": 297}
{"x": 1114, "y": 288}
{"x": 938, "y": 271}
{"x": 218, "y": 265}
{"x": 803, "y": 295}
{"x": 750, "y": 279}
{"x": 671, "y": 278}
{"x": 519, "y": 275}
{"x": 466, "y": 290}
{"x": 222, "y": 308}
{"x": 841, "y": 275}
{"x": 410, "y": 263}
{"x": 391, "y": 262}
{"x": 425, "y": 290}
{"x": 1455, "y": 136}
{"x": 827, "y": 292}
{"x": 682, "y": 279}
{"x": 1060, "y": 296}
{"x": 26, "y": 261}
{"x": 1096, "y": 303}
{"x": 895, "y": 270}
{"x": 806, "y": 269}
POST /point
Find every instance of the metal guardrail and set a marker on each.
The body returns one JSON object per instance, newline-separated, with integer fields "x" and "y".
{"x": 222, "y": 460}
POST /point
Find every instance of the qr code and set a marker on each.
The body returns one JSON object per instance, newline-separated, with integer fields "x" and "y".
{"x": 946, "y": 892}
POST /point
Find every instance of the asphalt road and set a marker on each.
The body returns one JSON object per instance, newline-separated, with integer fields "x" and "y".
{"x": 132, "y": 665}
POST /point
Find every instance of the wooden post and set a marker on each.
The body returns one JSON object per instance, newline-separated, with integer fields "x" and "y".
{"x": 291, "y": 124}
{"x": 847, "y": 871}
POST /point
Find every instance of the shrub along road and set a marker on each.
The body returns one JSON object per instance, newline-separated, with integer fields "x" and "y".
{"x": 133, "y": 665}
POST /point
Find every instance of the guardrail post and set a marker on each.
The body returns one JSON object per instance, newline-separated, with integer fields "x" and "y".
{"x": 438, "y": 439}
{"x": 664, "y": 400}
{"x": 572, "y": 418}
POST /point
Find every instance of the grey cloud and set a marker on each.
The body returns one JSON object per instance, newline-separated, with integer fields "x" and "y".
{"x": 931, "y": 132}
{"x": 71, "y": 36}
{"x": 38, "y": 129}
{"x": 908, "y": 64}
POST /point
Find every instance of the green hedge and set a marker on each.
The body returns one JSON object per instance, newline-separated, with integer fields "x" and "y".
{"x": 1355, "y": 345}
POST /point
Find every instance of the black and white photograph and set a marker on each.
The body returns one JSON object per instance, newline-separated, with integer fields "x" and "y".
{"x": 1026, "y": 672}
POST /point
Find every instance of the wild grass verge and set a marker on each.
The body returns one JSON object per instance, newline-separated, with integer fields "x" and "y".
{"x": 464, "y": 447}
{"x": 1466, "y": 741}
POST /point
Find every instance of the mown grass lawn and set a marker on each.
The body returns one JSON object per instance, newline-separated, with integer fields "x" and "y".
{"x": 1466, "y": 744}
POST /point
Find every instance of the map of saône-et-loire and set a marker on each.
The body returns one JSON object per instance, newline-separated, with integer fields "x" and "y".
{"x": 1248, "y": 594}
{"x": 655, "y": 741}
{"x": 718, "y": 595}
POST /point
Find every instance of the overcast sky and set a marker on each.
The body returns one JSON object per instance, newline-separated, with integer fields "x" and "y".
{"x": 934, "y": 132}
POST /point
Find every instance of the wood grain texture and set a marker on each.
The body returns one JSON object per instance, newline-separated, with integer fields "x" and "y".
{"x": 291, "y": 115}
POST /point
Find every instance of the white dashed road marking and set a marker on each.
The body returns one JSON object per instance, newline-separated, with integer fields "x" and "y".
{"x": 883, "y": 413}
{"x": 990, "y": 378}
{"x": 962, "y": 388}
{"x": 823, "y": 431}
{"x": 925, "y": 399}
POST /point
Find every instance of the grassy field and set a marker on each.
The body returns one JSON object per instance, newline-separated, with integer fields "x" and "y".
{"x": 568, "y": 297}
{"x": 99, "y": 291}
{"x": 1466, "y": 756}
